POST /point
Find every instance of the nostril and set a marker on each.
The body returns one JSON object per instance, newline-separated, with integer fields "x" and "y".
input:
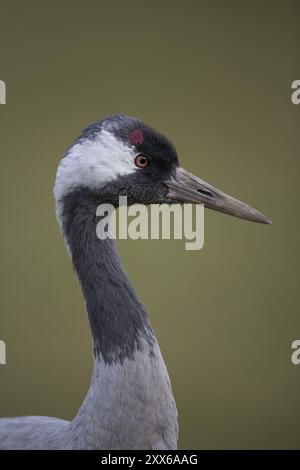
{"x": 206, "y": 193}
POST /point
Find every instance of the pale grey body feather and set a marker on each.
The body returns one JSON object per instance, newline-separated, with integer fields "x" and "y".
{"x": 32, "y": 432}
{"x": 129, "y": 406}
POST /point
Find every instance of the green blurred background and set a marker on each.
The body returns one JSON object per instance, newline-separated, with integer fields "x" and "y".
{"x": 215, "y": 77}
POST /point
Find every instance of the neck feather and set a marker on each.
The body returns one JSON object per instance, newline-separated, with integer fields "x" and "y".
{"x": 118, "y": 320}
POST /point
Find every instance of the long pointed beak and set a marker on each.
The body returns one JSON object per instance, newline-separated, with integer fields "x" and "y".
{"x": 185, "y": 187}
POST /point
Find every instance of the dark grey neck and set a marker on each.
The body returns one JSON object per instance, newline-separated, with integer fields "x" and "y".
{"x": 117, "y": 318}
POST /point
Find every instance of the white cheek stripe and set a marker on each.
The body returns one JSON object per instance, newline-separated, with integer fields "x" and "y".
{"x": 93, "y": 163}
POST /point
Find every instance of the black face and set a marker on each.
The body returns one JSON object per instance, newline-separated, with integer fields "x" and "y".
{"x": 147, "y": 184}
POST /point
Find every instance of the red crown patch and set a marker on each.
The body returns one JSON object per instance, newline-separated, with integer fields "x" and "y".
{"x": 136, "y": 137}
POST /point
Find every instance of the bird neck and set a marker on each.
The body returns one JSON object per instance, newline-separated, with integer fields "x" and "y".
{"x": 118, "y": 320}
{"x": 129, "y": 404}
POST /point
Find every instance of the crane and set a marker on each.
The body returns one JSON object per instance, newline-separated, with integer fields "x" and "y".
{"x": 129, "y": 404}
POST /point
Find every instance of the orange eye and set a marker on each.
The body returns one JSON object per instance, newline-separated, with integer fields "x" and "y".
{"x": 141, "y": 161}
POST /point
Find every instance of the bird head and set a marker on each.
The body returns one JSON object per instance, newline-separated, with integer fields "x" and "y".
{"x": 121, "y": 156}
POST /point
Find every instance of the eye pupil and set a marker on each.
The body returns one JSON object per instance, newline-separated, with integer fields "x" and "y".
{"x": 141, "y": 161}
